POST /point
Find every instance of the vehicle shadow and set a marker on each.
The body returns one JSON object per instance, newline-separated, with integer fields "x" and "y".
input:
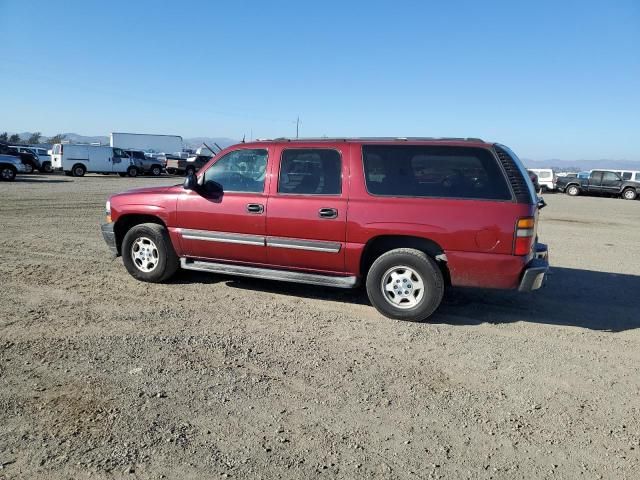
{"x": 570, "y": 297}
{"x": 35, "y": 179}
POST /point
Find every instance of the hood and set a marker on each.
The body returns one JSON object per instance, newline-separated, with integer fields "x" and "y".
{"x": 151, "y": 190}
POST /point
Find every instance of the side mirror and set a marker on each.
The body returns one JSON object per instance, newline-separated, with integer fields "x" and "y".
{"x": 212, "y": 189}
{"x": 190, "y": 182}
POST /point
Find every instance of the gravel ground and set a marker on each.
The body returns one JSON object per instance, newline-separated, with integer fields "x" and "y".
{"x": 105, "y": 377}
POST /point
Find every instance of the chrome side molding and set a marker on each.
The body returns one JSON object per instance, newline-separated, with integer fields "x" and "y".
{"x": 269, "y": 273}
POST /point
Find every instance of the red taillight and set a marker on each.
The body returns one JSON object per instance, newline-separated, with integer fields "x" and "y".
{"x": 525, "y": 235}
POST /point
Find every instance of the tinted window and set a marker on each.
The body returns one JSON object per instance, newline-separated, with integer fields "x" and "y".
{"x": 433, "y": 171}
{"x": 310, "y": 171}
{"x": 610, "y": 177}
{"x": 626, "y": 175}
{"x": 240, "y": 171}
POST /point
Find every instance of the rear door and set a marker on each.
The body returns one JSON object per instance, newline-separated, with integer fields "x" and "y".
{"x": 228, "y": 227}
{"x": 595, "y": 182}
{"x": 307, "y": 209}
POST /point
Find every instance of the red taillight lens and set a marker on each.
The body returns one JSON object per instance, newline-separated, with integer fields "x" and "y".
{"x": 525, "y": 235}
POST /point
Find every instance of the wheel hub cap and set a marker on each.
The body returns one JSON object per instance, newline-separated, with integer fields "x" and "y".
{"x": 144, "y": 254}
{"x": 402, "y": 287}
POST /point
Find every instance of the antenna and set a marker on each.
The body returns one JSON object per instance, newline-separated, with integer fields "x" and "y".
{"x": 297, "y": 126}
{"x": 244, "y": 135}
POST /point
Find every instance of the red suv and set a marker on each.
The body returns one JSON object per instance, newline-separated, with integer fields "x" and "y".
{"x": 408, "y": 217}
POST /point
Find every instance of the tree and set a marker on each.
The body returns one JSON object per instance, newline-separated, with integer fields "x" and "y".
{"x": 15, "y": 138}
{"x": 34, "y": 138}
{"x": 56, "y": 138}
{"x": 4, "y": 137}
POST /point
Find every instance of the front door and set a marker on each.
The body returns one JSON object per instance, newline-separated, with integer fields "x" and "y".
{"x": 307, "y": 209}
{"x": 229, "y": 226}
{"x": 611, "y": 182}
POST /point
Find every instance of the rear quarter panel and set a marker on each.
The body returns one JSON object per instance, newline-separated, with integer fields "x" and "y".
{"x": 476, "y": 235}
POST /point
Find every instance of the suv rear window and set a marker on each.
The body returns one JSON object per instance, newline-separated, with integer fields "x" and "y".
{"x": 433, "y": 171}
{"x": 310, "y": 171}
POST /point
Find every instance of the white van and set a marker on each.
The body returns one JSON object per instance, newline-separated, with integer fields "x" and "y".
{"x": 546, "y": 178}
{"x": 76, "y": 160}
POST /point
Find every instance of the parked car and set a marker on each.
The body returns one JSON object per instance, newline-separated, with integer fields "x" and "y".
{"x": 189, "y": 166}
{"x": 599, "y": 182}
{"x": 533, "y": 176}
{"x": 78, "y": 159}
{"x": 422, "y": 215}
{"x": 9, "y": 166}
{"x": 41, "y": 153}
{"x": 30, "y": 161}
{"x": 546, "y": 179}
{"x": 147, "y": 164}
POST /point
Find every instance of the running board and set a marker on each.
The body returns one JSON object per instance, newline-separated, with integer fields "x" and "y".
{"x": 269, "y": 273}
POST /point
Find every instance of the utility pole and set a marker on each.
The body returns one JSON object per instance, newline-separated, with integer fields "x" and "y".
{"x": 297, "y": 126}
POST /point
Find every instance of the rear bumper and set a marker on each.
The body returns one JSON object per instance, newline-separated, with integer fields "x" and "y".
{"x": 109, "y": 237}
{"x": 536, "y": 270}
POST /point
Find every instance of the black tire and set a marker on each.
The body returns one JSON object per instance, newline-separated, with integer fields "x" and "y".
{"x": 189, "y": 171}
{"x": 132, "y": 171}
{"x": 46, "y": 168}
{"x": 573, "y": 190}
{"x": 29, "y": 168}
{"x": 423, "y": 266}
{"x": 165, "y": 256}
{"x": 78, "y": 170}
{"x": 629, "y": 194}
{"x": 8, "y": 173}
{"x": 156, "y": 170}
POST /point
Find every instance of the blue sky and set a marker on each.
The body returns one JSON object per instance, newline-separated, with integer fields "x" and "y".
{"x": 552, "y": 79}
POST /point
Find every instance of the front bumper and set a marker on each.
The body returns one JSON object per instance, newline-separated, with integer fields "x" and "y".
{"x": 109, "y": 237}
{"x": 536, "y": 269}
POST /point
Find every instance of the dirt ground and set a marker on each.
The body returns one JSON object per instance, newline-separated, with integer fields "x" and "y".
{"x": 102, "y": 376}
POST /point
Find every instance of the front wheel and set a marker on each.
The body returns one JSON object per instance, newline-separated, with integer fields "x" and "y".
{"x": 156, "y": 171}
{"x": 189, "y": 171}
{"x": 148, "y": 254}
{"x": 46, "y": 167}
{"x": 629, "y": 194}
{"x": 7, "y": 173}
{"x": 573, "y": 190}
{"x": 405, "y": 284}
{"x": 132, "y": 171}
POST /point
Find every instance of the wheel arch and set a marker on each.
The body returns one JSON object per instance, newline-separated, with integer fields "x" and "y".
{"x": 381, "y": 244}
{"x": 127, "y": 221}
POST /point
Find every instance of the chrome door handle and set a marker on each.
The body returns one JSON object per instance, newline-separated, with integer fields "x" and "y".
{"x": 328, "y": 213}
{"x": 255, "y": 208}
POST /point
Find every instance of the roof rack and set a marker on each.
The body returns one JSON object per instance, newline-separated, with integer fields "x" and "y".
{"x": 346, "y": 139}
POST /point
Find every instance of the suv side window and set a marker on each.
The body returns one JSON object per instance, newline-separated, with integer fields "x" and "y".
{"x": 610, "y": 177}
{"x": 239, "y": 171}
{"x": 433, "y": 171}
{"x": 626, "y": 175}
{"x": 310, "y": 171}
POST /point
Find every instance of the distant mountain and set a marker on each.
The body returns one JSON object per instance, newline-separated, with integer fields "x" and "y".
{"x": 582, "y": 165}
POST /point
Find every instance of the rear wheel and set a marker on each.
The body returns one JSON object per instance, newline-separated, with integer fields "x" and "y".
{"x": 573, "y": 190}
{"x": 189, "y": 171}
{"x": 629, "y": 194}
{"x": 156, "y": 170}
{"x": 28, "y": 168}
{"x": 148, "y": 254}
{"x": 78, "y": 170}
{"x": 132, "y": 171}
{"x": 405, "y": 284}
{"x": 7, "y": 173}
